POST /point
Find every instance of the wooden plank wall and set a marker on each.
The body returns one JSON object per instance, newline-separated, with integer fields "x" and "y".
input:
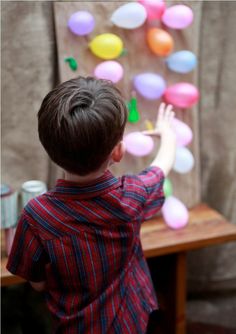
{"x": 137, "y": 60}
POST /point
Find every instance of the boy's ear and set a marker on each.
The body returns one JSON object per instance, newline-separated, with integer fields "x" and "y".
{"x": 118, "y": 152}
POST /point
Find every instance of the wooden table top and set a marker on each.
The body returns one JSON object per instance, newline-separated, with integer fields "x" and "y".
{"x": 206, "y": 227}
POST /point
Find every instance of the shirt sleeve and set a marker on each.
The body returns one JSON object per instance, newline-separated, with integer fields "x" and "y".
{"x": 27, "y": 257}
{"x": 153, "y": 180}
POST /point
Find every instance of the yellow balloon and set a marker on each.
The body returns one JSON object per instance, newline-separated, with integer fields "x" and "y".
{"x": 106, "y": 46}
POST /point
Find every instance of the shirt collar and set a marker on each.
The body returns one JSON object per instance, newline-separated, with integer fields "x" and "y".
{"x": 74, "y": 190}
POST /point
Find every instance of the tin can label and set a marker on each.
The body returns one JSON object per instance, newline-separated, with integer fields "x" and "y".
{"x": 9, "y": 207}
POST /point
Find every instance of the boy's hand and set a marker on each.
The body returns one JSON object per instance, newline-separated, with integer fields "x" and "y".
{"x": 164, "y": 121}
{"x": 166, "y": 154}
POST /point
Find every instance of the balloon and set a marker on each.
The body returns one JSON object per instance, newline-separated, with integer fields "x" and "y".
{"x": 178, "y": 17}
{"x": 182, "y": 61}
{"x": 150, "y": 85}
{"x": 109, "y": 70}
{"x": 182, "y": 95}
{"x": 184, "y": 160}
{"x": 133, "y": 116}
{"x": 160, "y": 41}
{"x": 106, "y": 46}
{"x": 81, "y": 23}
{"x": 129, "y": 16}
{"x": 175, "y": 213}
{"x": 184, "y": 134}
{"x": 167, "y": 187}
{"x": 138, "y": 144}
{"x": 154, "y": 8}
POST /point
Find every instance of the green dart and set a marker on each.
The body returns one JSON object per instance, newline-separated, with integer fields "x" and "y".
{"x": 133, "y": 116}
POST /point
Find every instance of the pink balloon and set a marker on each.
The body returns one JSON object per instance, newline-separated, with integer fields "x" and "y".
{"x": 138, "y": 144}
{"x": 175, "y": 213}
{"x": 182, "y": 95}
{"x": 154, "y": 8}
{"x": 184, "y": 134}
{"x": 178, "y": 17}
{"x": 109, "y": 70}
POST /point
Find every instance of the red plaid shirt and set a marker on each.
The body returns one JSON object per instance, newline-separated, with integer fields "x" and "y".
{"x": 84, "y": 241}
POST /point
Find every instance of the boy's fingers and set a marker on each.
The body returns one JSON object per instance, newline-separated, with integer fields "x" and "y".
{"x": 160, "y": 113}
{"x": 161, "y": 108}
{"x": 168, "y": 111}
{"x": 169, "y": 107}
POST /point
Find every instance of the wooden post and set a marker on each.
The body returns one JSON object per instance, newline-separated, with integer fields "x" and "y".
{"x": 169, "y": 279}
{"x": 180, "y": 293}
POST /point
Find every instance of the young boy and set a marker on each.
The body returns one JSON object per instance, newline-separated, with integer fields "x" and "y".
{"x": 80, "y": 242}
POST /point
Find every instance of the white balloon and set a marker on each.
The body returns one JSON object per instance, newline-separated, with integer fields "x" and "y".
{"x": 129, "y": 16}
{"x": 184, "y": 160}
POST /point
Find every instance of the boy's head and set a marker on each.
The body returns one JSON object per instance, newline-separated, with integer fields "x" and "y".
{"x": 80, "y": 122}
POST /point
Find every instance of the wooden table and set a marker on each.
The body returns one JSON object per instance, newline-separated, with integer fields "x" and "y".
{"x": 166, "y": 250}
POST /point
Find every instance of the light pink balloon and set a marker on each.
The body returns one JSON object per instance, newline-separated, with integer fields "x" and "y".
{"x": 154, "y": 8}
{"x": 175, "y": 213}
{"x": 184, "y": 134}
{"x": 109, "y": 70}
{"x": 138, "y": 144}
{"x": 178, "y": 17}
{"x": 182, "y": 95}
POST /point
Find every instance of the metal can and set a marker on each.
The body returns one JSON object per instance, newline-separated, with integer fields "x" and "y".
{"x": 31, "y": 189}
{"x": 9, "y": 215}
{"x": 9, "y": 207}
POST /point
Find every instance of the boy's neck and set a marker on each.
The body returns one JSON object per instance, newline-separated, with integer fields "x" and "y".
{"x": 83, "y": 179}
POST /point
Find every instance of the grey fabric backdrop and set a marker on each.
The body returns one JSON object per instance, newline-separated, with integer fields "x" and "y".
{"x": 29, "y": 71}
{"x": 215, "y": 267}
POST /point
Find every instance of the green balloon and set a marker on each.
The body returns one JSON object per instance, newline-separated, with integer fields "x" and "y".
{"x": 167, "y": 188}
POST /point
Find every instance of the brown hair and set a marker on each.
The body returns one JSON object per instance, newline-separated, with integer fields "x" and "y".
{"x": 80, "y": 122}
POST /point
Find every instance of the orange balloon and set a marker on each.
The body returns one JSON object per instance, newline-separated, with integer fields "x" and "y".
{"x": 160, "y": 41}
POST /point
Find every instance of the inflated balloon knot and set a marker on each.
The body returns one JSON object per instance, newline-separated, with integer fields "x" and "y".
{"x": 72, "y": 63}
{"x": 123, "y": 53}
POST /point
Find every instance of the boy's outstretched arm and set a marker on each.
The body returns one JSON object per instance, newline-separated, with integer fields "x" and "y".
{"x": 166, "y": 154}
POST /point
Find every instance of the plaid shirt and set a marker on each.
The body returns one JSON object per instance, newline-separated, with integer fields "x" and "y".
{"x": 84, "y": 241}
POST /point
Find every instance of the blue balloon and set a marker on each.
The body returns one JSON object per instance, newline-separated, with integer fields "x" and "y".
{"x": 182, "y": 61}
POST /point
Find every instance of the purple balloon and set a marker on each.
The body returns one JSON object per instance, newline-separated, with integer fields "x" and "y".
{"x": 138, "y": 144}
{"x": 182, "y": 95}
{"x": 150, "y": 85}
{"x": 175, "y": 213}
{"x": 81, "y": 23}
{"x": 177, "y": 17}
